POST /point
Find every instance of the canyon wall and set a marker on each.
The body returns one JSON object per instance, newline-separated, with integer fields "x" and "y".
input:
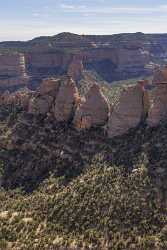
{"x": 115, "y": 57}
{"x": 44, "y": 64}
{"x": 12, "y": 71}
{"x": 111, "y": 64}
{"x": 117, "y": 63}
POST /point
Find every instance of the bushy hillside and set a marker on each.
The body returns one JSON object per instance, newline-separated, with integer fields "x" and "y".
{"x": 104, "y": 208}
{"x": 68, "y": 190}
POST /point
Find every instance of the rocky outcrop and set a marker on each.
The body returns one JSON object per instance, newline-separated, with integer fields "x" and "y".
{"x": 76, "y": 68}
{"x": 93, "y": 110}
{"x": 158, "y": 98}
{"x": 49, "y": 86}
{"x": 158, "y": 105}
{"x": 59, "y": 100}
{"x": 128, "y": 111}
{"x": 160, "y": 75}
{"x": 56, "y": 96}
{"x": 12, "y": 70}
{"x": 66, "y": 100}
{"x": 40, "y": 104}
{"x": 21, "y": 97}
{"x": 42, "y": 101}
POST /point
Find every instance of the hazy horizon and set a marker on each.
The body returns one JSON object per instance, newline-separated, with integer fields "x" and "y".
{"x": 26, "y": 19}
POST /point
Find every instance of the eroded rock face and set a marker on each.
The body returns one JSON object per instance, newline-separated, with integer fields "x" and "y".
{"x": 40, "y": 104}
{"x": 76, "y": 68}
{"x": 160, "y": 75}
{"x": 49, "y": 86}
{"x": 127, "y": 113}
{"x": 158, "y": 98}
{"x": 55, "y": 96}
{"x": 66, "y": 100}
{"x": 20, "y": 97}
{"x": 42, "y": 64}
{"x": 93, "y": 110}
{"x": 158, "y": 105}
{"x": 42, "y": 101}
{"x": 12, "y": 70}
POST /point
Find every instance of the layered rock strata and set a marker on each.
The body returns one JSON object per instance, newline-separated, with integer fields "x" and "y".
{"x": 12, "y": 70}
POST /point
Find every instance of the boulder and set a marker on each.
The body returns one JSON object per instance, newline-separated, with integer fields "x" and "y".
{"x": 158, "y": 105}
{"x": 66, "y": 100}
{"x": 127, "y": 113}
{"x": 93, "y": 110}
{"x": 49, "y": 86}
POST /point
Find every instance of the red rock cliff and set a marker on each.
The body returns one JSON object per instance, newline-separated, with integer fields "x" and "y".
{"x": 12, "y": 70}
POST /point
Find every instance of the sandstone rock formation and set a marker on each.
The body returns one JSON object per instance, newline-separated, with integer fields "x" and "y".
{"x": 127, "y": 113}
{"x": 75, "y": 68}
{"x": 93, "y": 110}
{"x": 12, "y": 70}
{"x": 49, "y": 86}
{"x": 20, "y": 97}
{"x": 42, "y": 101}
{"x": 158, "y": 105}
{"x": 160, "y": 75}
{"x": 158, "y": 97}
{"x": 60, "y": 100}
{"x": 56, "y": 96}
{"x": 66, "y": 100}
{"x": 40, "y": 104}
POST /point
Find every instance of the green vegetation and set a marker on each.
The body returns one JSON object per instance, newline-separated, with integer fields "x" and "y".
{"x": 68, "y": 190}
{"x": 104, "y": 208}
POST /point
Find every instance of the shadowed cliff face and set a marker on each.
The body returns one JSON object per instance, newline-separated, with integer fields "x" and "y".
{"x": 110, "y": 63}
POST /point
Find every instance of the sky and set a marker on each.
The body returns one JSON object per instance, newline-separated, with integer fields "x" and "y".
{"x": 26, "y": 19}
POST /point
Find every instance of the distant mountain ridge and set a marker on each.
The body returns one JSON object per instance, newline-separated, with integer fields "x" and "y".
{"x": 67, "y": 37}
